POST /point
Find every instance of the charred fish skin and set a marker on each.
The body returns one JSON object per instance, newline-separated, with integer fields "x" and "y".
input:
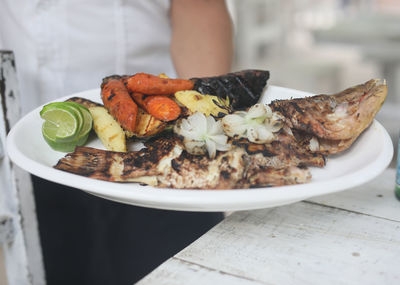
{"x": 243, "y": 88}
{"x": 200, "y": 172}
{"x": 165, "y": 160}
{"x": 283, "y": 152}
{"x": 121, "y": 166}
{"x": 340, "y": 116}
{"x": 272, "y": 177}
{"x": 322, "y": 146}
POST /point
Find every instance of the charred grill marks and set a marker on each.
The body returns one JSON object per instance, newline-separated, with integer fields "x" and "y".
{"x": 109, "y": 98}
{"x": 296, "y": 107}
{"x": 243, "y": 88}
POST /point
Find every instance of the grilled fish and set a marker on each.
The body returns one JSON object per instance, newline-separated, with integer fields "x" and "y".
{"x": 342, "y": 116}
{"x": 283, "y": 152}
{"x": 122, "y": 166}
{"x": 201, "y": 172}
{"x": 267, "y": 176}
{"x": 165, "y": 163}
{"x": 315, "y": 145}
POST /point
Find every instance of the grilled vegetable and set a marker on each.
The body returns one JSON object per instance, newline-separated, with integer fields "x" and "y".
{"x": 161, "y": 107}
{"x": 206, "y": 104}
{"x": 107, "y": 129}
{"x": 244, "y": 88}
{"x": 154, "y": 85}
{"x": 147, "y": 125}
{"x": 118, "y": 102}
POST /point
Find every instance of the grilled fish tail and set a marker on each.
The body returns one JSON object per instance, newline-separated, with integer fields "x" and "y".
{"x": 87, "y": 161}
{"x": 121, "y": 166}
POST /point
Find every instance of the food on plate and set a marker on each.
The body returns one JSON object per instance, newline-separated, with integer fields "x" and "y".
{"x": 194, "y": 102}
{"x": 84, "y": 102}
{"x": 66, "y": 125}
{"x": 115, "y": 137}
{"x": 258, "y": 124}
{"x": 118, "y": 102}
{"x": 108, "y": 130}
{"x": 337, "y": 117}
{"x": 268, "y": 176}
{"x": 105, "y": 126}
{"x": 199, "y": 154}
{"x": 283, "y": 152}
{"x": 164, "y": 159}
{"x": 155, "y": 85}
{"x": 243, "y": 88}
{"x": 168, "y": 164}
{"x": 147, "y": 125}
{"x": 202, "y": 135}
{"x": 159, "y": 106}
{"x": 324, "y": 146}
{"x": 334, "y": 121}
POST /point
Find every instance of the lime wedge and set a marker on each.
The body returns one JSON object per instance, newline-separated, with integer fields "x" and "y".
{"x": 57, "y": 145}
{"x": 61, "y": 123}
{"x": 87, "y": 121}
{"x": 67, "y": 124}
{"x": 73, "y": 107}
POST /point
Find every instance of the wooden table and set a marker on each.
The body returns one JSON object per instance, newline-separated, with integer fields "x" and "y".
{"x": 351, "y": 237}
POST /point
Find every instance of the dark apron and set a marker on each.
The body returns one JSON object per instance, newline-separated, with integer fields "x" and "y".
{"x": 89, "y": 240}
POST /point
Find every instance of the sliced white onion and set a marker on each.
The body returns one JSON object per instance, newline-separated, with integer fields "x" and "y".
{"x": 233, "y": 125}
{"x": 258, "y": 124}
{"x": 268, "y": 111}
{"x": 256, "y": 111}
{"x": 213, "y": 127}
{"x": 259, "y": 134}
{"x": 219, "y": 139}
{"x": 211, "y": 148}
{"x": 202, "y": 134}
{"x": 198, "y": 122}
{"x": 264, "y": 135}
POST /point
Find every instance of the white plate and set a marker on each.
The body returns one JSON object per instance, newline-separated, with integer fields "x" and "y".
{"x": 367, "y": 158}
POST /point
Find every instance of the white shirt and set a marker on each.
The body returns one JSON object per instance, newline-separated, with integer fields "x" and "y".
{"x": 67, "y": 46}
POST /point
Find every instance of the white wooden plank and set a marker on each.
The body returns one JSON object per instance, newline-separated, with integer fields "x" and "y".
{"x": 302, "y": 243}
{"x": 6, "y": 228}
{"x": 180, "y": 272}
{"x": 23, "y": 253}
{"x": 374, "y": 198}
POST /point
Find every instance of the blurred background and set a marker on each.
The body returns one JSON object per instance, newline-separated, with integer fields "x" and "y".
{"x": 323, "y": 46}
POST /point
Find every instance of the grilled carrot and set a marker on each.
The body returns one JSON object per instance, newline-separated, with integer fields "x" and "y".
{"x": 155, "y": 85}
{"x": 160, "y": 107}
{"x": 118, "y": 102}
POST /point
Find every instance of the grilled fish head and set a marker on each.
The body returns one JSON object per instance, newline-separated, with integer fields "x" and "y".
{"x": 341, "y": 116}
